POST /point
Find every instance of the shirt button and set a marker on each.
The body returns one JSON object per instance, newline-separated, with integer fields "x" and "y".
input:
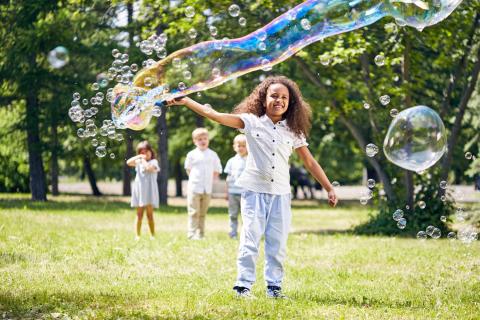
{"x": 273, "y": 167}
{"x": 271, "y": 180}
{"x": 258, "y": 135}
{"x": 273, "y": 153}
{"x": 273, "y": 140}
{"x": 274, "y": 128}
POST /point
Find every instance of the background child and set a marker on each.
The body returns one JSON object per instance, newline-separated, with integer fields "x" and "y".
{"x": 145, "y": 187}
{"x": 275, "y": 120}
{"x": 234, "y": 168}
{"x": 202, "y": 165}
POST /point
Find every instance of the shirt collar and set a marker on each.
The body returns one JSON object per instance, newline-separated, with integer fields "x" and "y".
{"x": 265, "y": 118}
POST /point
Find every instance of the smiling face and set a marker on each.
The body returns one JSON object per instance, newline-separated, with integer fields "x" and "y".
{"x": 277, "y": 101}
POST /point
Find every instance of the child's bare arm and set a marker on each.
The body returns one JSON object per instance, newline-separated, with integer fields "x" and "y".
{"x": 132, "y": 161}
{"x": 227, "y": 119}
{"x": 317, "y": 172}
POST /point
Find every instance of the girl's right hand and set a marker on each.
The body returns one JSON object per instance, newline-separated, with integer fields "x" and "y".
{"x": 180, "y": 101}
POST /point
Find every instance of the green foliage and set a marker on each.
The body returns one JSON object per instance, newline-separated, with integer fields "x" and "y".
{"x": 13, "y": 155}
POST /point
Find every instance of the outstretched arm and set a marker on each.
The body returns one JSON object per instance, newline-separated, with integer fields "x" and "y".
{"x": 317, "y": 172}
{"x": 227, "y": 119}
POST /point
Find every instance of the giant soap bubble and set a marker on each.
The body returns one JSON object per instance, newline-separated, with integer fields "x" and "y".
{"x": 307, "y": 23}
{"x": 416, "y": 139}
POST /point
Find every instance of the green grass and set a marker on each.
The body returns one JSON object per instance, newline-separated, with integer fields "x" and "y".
{"x": 75, "y": 257}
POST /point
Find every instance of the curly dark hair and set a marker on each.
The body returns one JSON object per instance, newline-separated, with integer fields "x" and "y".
{"x": 298, "y": 114}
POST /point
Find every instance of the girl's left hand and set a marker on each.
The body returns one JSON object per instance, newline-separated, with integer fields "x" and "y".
{"x": 332, "y": 198}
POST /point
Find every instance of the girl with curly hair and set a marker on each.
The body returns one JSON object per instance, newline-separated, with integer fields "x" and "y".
{"x": 275, "y": 120}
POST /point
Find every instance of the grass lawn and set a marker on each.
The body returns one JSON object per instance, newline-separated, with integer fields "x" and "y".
{"x": 75, "y": 257}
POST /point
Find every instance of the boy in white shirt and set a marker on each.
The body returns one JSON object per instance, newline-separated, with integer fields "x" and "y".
{"x": 202, "y": 165}
{"x": 234, "y": 168}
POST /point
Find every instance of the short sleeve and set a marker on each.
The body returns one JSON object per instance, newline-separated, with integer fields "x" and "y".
{"x": 217, "y": 164}
{"x": 228, "y": 166}
{"x": 299, "y": 141}
{"x": 154, "y": 162}
{"x": 249, "y": 121}
{"x": 188, "y": 161}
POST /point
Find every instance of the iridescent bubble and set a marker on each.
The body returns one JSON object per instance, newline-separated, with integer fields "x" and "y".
{"x": 101, "y": 151}
{"x": 371, "y": 183}
{"x": 416, "y": 139}
{"x": 262, "y": 46}
{"x": 366, "y": 105}
{"x": 242, "y": 21}
{"x": 385, "y": 99}
{"x": 156, "y": 112}
{"x": 94, "y": 142}
{"x": 162, "y": 53}
{"x": 306, "y": 24}
{"x": 181, "y": 86}
{"x": 402, "y": 223}
{"x": 116, "y": 53}
{"x": 379, "y": 60}
{"x": 443, "y": 185}
{"x": 192, "y": 33}
{"x": 187, "y": 75}
{"x": 284, "y": 37}
{"x": 81, "y": 133}
{"x": 335, "y": 184}
{"x": 177, "y": 62}
{"x": 429, "y": 230}
{"x": 189, "y": 11}
{"x": 76, "y": 96}
{"x": 112, "y": 155}
{"x": 325, "y": 60}
{"x": 443, "y": 218}
{"x": 451, "y": 235}
{"x": 371, "y": 150}
{"x": 393, "y": 113}
{"x": 397, "y": 215}
{"x": 58, "y": 57}
{"x": 443, "y": 198}
{"x": 468, "y": 155}
{"x": 213, "y": 31}
{"x": 436, "y": 233}
{"x": 234, "y": 10}
{"x": 422, "y": 235}
{"x": 422, "y": 205}
{"x": 363, "y": 200}
{"x": 95, "y": 86}
{"x": 85, "y": 102}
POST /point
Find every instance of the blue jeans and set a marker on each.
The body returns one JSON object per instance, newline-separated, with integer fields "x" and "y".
{"x": 269, "y": 215}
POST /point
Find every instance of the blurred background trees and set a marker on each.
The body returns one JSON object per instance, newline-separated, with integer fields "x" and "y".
{"x": 437, "y": 67}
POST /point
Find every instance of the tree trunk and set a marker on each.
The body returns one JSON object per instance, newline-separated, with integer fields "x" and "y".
{"x": 126, "y": 169}
{"x": 409, "y": 183}
{"x": 127, "y": 179}
{"x": 162, "y": 180}
{"x": 54, "y": 171}
{"x": 178, "y": 179}
{"x": 373, "y": 162}
{"x": 91, "y": 176}
{"x": 38, "y": 184}
{"x": 457, "y": 125}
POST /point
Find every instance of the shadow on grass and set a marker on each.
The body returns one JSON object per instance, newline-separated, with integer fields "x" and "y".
{"x": 323, "y": 232}
{"x": 97, "y": 205}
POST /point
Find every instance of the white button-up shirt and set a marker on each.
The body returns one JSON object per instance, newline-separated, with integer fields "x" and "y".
{"x": 234, "y": 169}
{"x": 269, "y": 148}
{"x": 202, "y": 165}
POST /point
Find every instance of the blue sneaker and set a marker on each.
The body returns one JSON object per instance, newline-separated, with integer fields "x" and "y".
{"x": 243, "y": 293}
{"x": 275, "y": 292}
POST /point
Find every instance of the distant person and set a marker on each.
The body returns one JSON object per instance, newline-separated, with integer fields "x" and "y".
{"x": 203, "y": 166}
{"x": 234, "y": 169}
{"x": 477, "y": 183}
{"x": 145, "y": 188}
{"x": 275, "y": 120}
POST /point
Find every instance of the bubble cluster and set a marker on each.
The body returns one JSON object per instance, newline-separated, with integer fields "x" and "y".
{"x": 283, "y": 37}
{"x": 415, "y": 139}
